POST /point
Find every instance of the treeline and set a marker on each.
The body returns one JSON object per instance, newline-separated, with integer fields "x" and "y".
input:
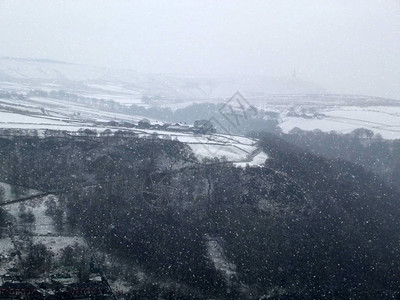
{"x": 360, "y": 147}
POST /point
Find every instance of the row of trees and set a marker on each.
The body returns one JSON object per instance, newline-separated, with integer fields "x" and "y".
{"x": 361, "y": 147}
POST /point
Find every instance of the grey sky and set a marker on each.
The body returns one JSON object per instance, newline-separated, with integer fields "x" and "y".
{"x": 346, "y": 46}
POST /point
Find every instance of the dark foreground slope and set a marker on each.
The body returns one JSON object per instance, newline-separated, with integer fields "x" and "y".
{"x": 299, "y": 227}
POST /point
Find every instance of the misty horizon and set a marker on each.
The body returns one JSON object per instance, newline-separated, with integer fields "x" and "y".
{"x": 345, "y": 47}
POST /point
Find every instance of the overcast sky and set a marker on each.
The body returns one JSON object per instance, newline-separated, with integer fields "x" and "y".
{"x": 345, "y": 46}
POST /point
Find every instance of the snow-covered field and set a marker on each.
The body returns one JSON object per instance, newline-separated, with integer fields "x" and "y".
{"x": 44, "y": 113}
{"x": 228, "y": 147}
{"x": 384, "y": 120}
{"x": 46, "y": 108}
{"x": 258, "y": 160}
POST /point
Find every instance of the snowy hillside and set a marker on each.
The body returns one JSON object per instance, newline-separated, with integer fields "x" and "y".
{"x": 127, "y": 86}
{"x": 381, "y": 119}
{"x": 56, "y": 95}
{"x": 38, "y": 114}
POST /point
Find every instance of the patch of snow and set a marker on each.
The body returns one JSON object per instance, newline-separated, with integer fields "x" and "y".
{"x": 220, "y": 261}
{"x": 258, "y": 160}
{"x": 15, "y": 118}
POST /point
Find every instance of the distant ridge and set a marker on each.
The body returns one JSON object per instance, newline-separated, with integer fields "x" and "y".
{"x": 128, "y": 83}
{"x": 43, "y": 60}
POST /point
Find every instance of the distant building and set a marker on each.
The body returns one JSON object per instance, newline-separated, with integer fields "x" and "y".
{"x": 113, "y": 123}
{"x": 144, "y": 124}
{"x": 204, "y": 127}
{"x": 127, "y": 125}
{"x": 179, "y": 128}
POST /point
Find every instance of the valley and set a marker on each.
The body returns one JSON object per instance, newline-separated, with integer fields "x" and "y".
{"x": 126, "y": 185}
